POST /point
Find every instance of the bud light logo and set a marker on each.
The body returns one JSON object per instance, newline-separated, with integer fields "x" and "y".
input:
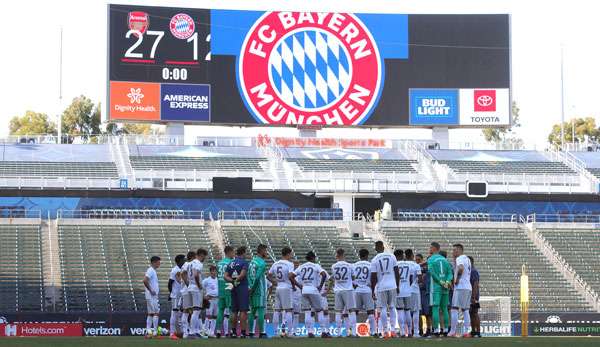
{"x": 433, "y": 107}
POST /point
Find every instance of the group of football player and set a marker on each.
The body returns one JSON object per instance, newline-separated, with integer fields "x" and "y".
{"x": 394, "y": 291}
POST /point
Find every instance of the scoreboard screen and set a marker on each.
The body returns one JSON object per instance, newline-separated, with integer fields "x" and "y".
{"x": 282, "y": 68}
{"x": 167, "y": 49}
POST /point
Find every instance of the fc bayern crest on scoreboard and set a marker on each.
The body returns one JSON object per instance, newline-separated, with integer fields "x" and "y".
{"x": 309, "y": 68}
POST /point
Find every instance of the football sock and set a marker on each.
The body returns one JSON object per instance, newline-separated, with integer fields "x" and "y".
{"x": 148, "y": 324}
{"x": 454, "y": 321}
{"x": 155, "y": 322}
{"x": 372, "y": 325}
{"x": 467, "y": 321}
{"x": 288, "y": 321}
{"x": 276, "y": 316}
{"x": 194, "y": 329}
{"x": 352, "y": 319}
{"x": 338, "y": 321}
{"x": 401, "y": 321}
{"x": 407, "y": 322}
{"x": 384, "y": 320}
{"x": 393, "y": 319}
{"x": 415, "y": 323}
{"x": 173, "y": 321}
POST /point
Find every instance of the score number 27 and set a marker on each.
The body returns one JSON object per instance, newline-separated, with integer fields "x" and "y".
{"x": 159, "y": 35}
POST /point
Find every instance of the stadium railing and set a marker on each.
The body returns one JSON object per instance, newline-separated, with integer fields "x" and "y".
{"x": 129, "y": 214}
{"x": 456, "y": 217}
{"x": 60, "y": 182}
{"x": 282, "y": 215}
{"x": 564, "y": 218}
{"x": 20, "y": 213}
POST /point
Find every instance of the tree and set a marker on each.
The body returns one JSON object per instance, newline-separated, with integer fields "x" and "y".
{"x": 505, "y": 135}
{"x": 82, "y": 117}
{"x": 584, "y": 127}
{"x": 130, "y": 129}
{"x": 31, "y": 123}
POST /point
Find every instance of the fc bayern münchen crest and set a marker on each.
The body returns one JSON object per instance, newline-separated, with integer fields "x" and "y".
{"x": 309, "y": 69}
{"x": 182, "y": 26}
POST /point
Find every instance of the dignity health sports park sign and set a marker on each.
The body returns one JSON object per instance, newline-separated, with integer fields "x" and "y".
{"x": 307, "y": 68}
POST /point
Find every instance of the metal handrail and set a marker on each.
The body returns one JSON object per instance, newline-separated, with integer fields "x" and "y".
{"x": 123, "y": 213}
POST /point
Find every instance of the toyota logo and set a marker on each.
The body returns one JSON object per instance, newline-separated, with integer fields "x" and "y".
{"x": 485, "y": 100}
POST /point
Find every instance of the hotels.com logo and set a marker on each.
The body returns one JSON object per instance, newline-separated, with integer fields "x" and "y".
{"x": 10, "y": 330}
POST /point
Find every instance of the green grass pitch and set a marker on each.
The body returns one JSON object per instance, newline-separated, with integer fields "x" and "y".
{"x": 334, "y": 342}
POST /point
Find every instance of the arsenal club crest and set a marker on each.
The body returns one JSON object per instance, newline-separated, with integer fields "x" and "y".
{"x": 309, "y": 69}
{"x": 138, "y": 20}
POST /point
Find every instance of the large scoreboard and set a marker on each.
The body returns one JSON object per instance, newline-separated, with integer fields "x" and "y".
{"x": 307, "y": 68}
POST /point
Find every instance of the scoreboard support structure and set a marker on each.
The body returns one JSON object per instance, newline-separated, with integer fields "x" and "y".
{"x": 441, "y": 136}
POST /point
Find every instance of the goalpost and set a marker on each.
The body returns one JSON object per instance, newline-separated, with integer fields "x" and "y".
{"x": 495, "y": 315}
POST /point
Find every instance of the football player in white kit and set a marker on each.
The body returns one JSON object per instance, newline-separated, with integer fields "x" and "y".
{"x": 415, "y": 297}
{"x": 343, "y": 289}
{"x": 324, "y": 302}
{"x": 174, "y": 285}
{"x": 362, "y": 291}
{"x": 280, "y": 274}
{"x": 151, "y": 293}
{"x": 186, "y": 300}
{"x": 211, "y": 295}
{"x": 403, "y": 299}
{"x": 193, "y": 300}
{"x": 311, "y": 278}
{"x": 461, "y": 299}
{"x": 385, "y": 280}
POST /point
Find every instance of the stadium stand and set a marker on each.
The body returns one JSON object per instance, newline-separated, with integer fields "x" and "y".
{"x": 500, "y": 162}
{"x": 499, "y": 252}
{"x": 578, "y": 247}
{"x": 21, "y": 279}
{"x": 356, "y": 165}
{"x": 103, "y": 261}
{"x": 31, "y": 160}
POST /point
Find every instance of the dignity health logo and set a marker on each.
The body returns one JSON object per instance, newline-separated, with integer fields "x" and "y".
{"x": 309, "y": 68}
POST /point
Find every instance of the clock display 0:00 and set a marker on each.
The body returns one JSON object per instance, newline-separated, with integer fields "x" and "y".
{"x": 175, "y": 74}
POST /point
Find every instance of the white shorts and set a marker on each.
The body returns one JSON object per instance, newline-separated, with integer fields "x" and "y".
{"x": 297, "y": 303}
{"x": 283, "y": 299}
{"x": 364, "y": 301}
{"x": 461, "y": 298}
{"x": 213, "y": 307}
{"x": 344, "y": 301}
{"x": 176, "y": 303}
{"x": 192, "y": 299}
{"x": 386, "y": 298}
{"x": 312, "y": 302}
{"x": 414, "y": 302}
{"x": 402, "y": 303}
{"x": 152, "y": 305}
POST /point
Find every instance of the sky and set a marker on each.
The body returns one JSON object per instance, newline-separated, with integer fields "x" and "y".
{"x": 30, "y": 73}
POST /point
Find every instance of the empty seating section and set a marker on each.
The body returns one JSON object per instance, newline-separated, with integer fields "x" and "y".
{"x": 355, "y": 165}
{"x": 57, "y": 169}
{"x": 103, "y": 265}
{"x": 499, "y": 254}
{"x": 193, "y": 163}
{"x": 579, "y": 248}
{"x": 21, "y": 280}
{"x": 508, "y": 167}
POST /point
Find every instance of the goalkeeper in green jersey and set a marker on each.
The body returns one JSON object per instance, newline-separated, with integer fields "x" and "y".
{"x": 440, "y": 272}
{"x": 224, "y": 304}
{"x": 257, "y": 283}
